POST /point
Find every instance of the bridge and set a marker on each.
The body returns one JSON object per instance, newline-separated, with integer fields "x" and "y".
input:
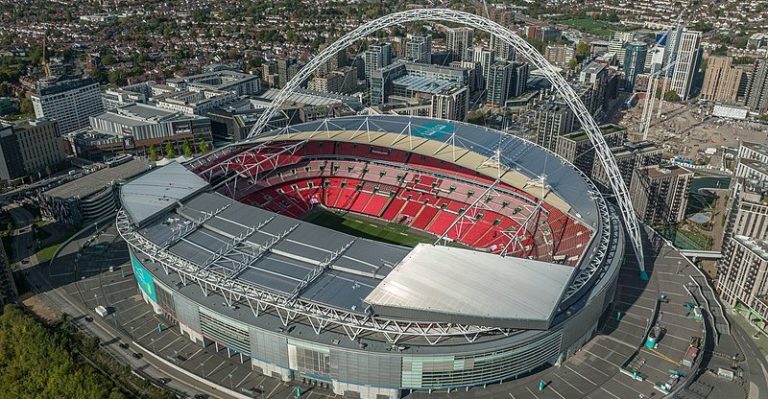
{"x": 699, "y": 254}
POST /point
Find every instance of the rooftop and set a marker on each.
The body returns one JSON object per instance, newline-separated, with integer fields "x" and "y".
{"x": 97, "y": 181}
{"x": 451, "y": 284}
{"x": 153, "y": 193}
{"x": 655, "y": 171}
{"x": 759, "y": 247}
{"x": 425, "y": 85}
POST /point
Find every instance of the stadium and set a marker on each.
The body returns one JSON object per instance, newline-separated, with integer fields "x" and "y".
{"x": 378, "y": 255}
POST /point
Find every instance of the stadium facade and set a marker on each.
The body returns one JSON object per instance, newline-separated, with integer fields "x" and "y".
{"x": 525, "y": 260}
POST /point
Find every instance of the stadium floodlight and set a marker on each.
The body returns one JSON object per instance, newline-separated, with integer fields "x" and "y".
{"x": 504, "y": 34}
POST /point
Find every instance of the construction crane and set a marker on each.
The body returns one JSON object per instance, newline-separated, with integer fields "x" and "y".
{"x": 653, "y": 80}
{"x": 46, "y": 65}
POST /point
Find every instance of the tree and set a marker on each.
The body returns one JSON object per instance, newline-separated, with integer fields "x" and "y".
{"x": 26, "y": 107}
{"x": 582, "y": 51}
{"x": 153, "y": 153}
{"x": 202, "y": 146}
{"x": 170, "y": 152}
{"x": 187, "y": 149}
{"x": 572, "y": 63}
{"x": 671, "y": 96}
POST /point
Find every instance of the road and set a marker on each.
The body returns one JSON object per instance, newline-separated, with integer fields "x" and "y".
{"x": 24, "y": 246}
{"x": 756, "y": 364}
{"x": 24, "y": 239}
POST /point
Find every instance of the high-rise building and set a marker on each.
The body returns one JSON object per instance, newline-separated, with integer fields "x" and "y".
{"x": 502, "y": 50}
{"x": 500, "y": 76}
{"x": 721, "y": 80}
{"x": 618, "y": 47}
{"x": 577, "y": 148}
{"x": 688, "y": 58}
{"x": 376, "y": 57}
{"x": 634, "y": 62}
{"x": 336, "y": 61}
{"x": 629, "y": 156}
{"x": 660, "y": 194}
{"x": 757, "y": 95}
{"x": 284, "y": 70}
{"x": 328, "y": 83}
{"x": 458, "y": 40}
{"x": 743, "y": 274}
{"x": 553, "y": 119}
{"x": 484, "y": 57}
{"x": 70, "y": 102}
{"x": 520, "y": 72}
{"x": 595, "y": 74}
{"x": 451, "y": 104}
{"x": 742, "y": 271}
{"x": 33, "y": 148}
{"x": 419, "y": 49}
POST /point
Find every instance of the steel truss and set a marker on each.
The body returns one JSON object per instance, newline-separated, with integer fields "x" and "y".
{"x": 289, "y": 309}
{"x": 522, "y": 47}
{"x": 589, "y": 264}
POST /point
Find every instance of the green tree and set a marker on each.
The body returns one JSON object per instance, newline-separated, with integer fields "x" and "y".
{"x": 582, "y": 51}
{"x": 671, "y": 96}
{"x": 153, "y": 153}
{"x": 202, "y": 146}
{"x": 572, "y": 63}
{"x": 187, "y": 149}
{"x": 26, "y": 107}
{"x": 108, "y": 60}
{"x": 170, "y": 152}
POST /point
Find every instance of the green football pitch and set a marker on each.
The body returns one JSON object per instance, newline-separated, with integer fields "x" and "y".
{"x": 361, "y": 226}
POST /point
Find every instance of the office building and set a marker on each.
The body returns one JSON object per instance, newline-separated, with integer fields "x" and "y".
{"x": 757, "y": 95}
{"x": 381, "y": 80}
{"x": 419, "y": 49}
{"x": 33, "y": 148}
{"x": 194, "y": 102}
{"x": 134, "y": 128}
{"x": 553, "y": 119}
{"x": 452, "y": 104}
{"x": 238, "y": 83}
{"x": 721, "y": 80}
{"x": 577, "y": 148}
{"x": 688, "y": 58}
{"x": 660, "y": 194}
{"x": 114, "y": 98}
{"x": 634, "y": 63}
{"x": 70, "y": 102}
{"x": 458, "y": 40}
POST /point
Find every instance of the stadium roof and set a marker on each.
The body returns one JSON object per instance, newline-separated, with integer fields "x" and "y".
{"x": 293, "y": 258}
{"x": 438, "y": 283}
{"x": 525, "y": 161}
{"x": 159, "y": 191}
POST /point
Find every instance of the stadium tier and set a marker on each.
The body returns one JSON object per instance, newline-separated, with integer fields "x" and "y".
{"x": 522, "y": 263}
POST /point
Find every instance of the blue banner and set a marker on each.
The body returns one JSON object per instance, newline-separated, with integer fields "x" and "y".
{"x": 144, "y": 279}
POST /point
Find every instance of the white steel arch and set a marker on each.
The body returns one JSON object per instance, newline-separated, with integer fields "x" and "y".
{"x": 522, "y": 47}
